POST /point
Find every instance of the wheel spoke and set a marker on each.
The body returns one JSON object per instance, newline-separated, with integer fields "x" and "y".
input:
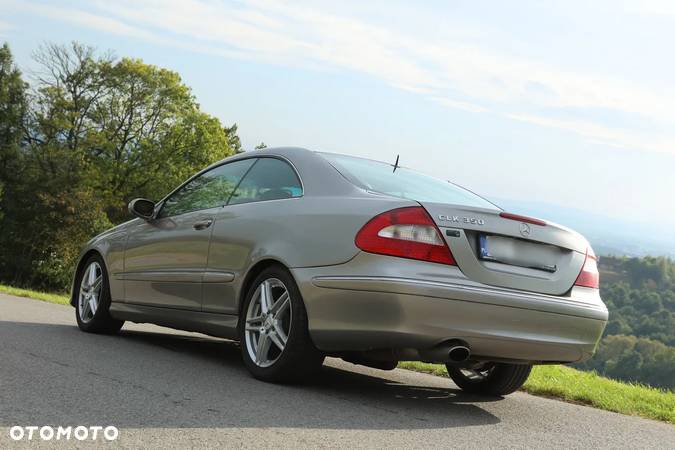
{"x": 276, "y": 339}
{"x": 279, "y": 331}
{"x": 473, "y": 374}
{"x": 265, "y": 296}
{"x": 252, "y": 320}
{"x": 97, "y": 284}
{"x": 262, "y": 348}
{"x": 281, "y": 304}
{"x": 92, "y": 275}
{"x": 84, "y": 308}
{"x": 93, "y": 304}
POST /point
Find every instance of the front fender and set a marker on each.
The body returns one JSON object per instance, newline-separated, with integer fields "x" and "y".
{"x": 110, "y": 245}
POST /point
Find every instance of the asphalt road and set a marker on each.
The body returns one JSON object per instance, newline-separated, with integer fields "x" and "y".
{"x": 168, "y": 389}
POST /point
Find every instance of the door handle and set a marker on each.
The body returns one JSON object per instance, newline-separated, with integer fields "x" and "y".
{"x": 202, "y": 224}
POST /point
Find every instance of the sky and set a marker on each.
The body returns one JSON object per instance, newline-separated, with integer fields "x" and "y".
{"x": 564, "y": 103}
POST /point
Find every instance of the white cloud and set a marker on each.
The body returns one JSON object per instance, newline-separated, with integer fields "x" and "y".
{"x": 90, "y": 20}
{"x": 456, "y": 73}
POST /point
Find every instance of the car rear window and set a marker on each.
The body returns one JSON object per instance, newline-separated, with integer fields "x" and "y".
{"x": 405, "y": 183}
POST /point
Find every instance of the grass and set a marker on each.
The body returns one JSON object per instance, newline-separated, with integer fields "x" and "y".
{"x": 560, "y": 382}
{"x": 61, "y": 299}
{"x": 587, "y": 388}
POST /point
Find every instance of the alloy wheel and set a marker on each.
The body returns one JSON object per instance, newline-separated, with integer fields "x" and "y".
{"x": 268, "y": 322}
{"x": 478, "y": 373}
{"x": 91, "y": 286}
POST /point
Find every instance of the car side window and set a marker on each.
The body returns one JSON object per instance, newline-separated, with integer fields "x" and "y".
{"x": 268, "y": 179}
{"x": 208, "y": 190}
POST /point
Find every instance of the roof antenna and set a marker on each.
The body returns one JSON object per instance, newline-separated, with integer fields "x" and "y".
{"x": 396, "y": 164}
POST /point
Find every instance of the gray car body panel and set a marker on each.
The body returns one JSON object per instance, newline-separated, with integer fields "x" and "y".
{"x": 421, "y": 305}
{"x": 299, "y": 232}
{"x": 164, "y": 271}
{"x": 569, "y": 248}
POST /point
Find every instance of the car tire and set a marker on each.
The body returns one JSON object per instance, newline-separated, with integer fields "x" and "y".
{"x": 282, "y": 333}
{"x": 494, "y": 379}
{"x": 92, "y": 304}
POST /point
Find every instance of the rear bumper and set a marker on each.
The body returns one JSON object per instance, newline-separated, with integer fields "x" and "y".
{"x": 428, "y": 304}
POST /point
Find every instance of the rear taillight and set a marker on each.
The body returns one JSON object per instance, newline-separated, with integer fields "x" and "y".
{"x": 407, "y": 233}
{"x": 589, "y": 275}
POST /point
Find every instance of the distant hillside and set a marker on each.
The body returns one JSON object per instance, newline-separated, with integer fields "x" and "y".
{"x": 639, "y": 342}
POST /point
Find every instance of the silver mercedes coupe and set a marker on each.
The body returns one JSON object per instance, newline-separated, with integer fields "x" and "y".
{"x": 299, "y": 255}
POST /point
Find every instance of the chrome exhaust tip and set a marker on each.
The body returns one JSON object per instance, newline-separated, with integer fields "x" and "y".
{"x": 459, "y": 353}
{"x": 452, "y": 351}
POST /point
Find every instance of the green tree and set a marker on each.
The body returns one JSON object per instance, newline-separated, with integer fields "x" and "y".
{"x": 639, "y": 342}
{"x": 13, "y": 105}
{"x": 631, "y": 358}
{"x": 137, "y": 126}
{"x": 98, "y": 132}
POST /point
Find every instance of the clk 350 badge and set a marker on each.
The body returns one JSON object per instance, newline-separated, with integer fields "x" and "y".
{"x": 459, "y": 219}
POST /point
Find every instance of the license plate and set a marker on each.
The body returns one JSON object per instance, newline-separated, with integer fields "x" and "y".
{"x": 517, "y": 252}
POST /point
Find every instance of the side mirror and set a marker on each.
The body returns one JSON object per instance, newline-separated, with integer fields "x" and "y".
{"x": 143, "y": 208}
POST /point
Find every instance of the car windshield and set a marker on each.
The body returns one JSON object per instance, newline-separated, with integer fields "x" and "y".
{"x": 380, "y": 177}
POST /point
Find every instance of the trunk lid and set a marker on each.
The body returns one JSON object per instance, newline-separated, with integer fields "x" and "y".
{"x": 508, "y": 252}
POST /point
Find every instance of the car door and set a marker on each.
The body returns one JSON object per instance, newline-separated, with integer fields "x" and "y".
{"x": 254, "y": 215}
{"x": 165, "y": 258}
